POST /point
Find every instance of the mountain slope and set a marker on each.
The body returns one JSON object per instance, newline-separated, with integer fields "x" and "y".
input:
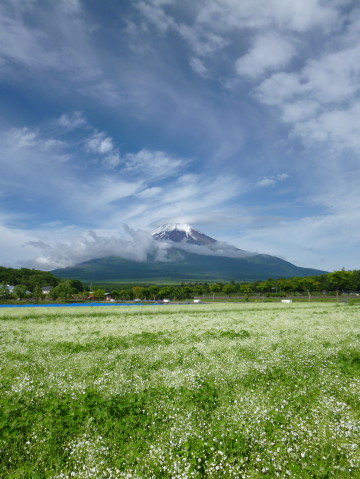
{"x": 180, "y": 253}
{"x": 185, "y": 266}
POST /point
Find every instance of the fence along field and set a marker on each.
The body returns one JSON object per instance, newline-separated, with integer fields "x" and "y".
{"x": 200, "y": 391}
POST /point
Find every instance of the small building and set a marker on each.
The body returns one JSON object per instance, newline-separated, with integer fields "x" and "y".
{"x": 46, "y": 290}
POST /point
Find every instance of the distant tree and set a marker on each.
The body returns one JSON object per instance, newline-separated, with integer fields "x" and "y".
{"x": 153, "y": 292}
{"x": 167, "y": 292}
{"x": 8, "y": 275}
{"x": 199, "y": 290}
{"x": 206, "y": 288}
{"x": 64, "y": 291}
{"x": 214, "y": 288}
{"x": 229, "y": 289}
{"x": 81, "y": 295}
{"x": 264, "y": 287}
{"x": 19, "y": 291}
{"x": 309, "y": 285}
{"x": 245, "y": 289}
{"x": 99, "y": 294}
{"x": 285, "y": 285}
{"x": 340, "y": 280}
{"x": 188, "y": 292}
{"x": 37, "y": 293}
{"x": 138, "y": 292}
{"x": 77, "y": 285}
{"x": 178, "y": 293}
{"x": 28, "y": 277}
{"x": 355, "y": 280}
{"x": 125, "y": 295}
{"x": 115, "y": 294}
{"x": 4, "y": 292}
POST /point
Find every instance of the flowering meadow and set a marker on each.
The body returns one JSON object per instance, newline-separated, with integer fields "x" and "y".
{"x": 180, "y": 391}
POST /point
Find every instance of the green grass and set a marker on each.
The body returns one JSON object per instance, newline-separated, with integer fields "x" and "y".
{"x": 194, "y": 391}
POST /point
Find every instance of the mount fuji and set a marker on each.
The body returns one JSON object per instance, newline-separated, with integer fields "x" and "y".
{"x": 184, "y": 235}
{"x": 178, "y": 232}
{"x": 176, "y": 252}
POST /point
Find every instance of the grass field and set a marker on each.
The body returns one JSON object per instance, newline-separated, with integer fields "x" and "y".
{"x": 193, "y": 391}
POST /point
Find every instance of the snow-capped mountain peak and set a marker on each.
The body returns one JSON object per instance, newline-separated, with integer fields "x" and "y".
{"x": 173, "y": 227}
{"x": 178, "y": 232}
{"x": 188, "y": 237}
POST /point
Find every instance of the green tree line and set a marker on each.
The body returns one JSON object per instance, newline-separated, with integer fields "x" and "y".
{"x": 336, "y": 282}
{"x": 30, "y": 278}
{"x": 28, "y": 283}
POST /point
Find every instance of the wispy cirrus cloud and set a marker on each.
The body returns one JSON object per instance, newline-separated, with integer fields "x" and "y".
{"x": 155, "y": 110}
{"x": 272, "y": 180}
{"x": 65, "y": 193}
{"x": 199, "y": 67}
{"x": 154, "y": 164}
{"x": 72, "y": 120}
{"x": 82, "y": 191}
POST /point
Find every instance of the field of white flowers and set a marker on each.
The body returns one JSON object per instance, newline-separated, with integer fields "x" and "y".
{"x": 192, "y": 391}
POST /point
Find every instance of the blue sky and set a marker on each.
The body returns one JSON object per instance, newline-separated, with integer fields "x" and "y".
{"x": 241, "y": 118}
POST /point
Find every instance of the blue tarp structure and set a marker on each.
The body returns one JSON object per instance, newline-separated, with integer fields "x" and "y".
{"x": 71, "y": 305}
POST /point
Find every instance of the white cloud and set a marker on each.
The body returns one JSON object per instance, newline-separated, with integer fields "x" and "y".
{"x": 202, "y": 42}
{"x": 320, "y": 102}
{"x": 113, "y": 160}
{"x": 312, "y": 46}
{"x": 13, "y": 241}
{"x": 80, "y": 247}
{"x": 272, "y": 180}
{"x": 155, "y": 14}
{"x": 100, "y": 143}
{"x": 193, "y": 196}
{"x": 111, "y": 189}
{"x": 22, "y": 138}
{"x": 28, "y": 157}
{"x": 53, "y": 45}
{"x": 18, "y": 42}
{"x": 334, "y": 77}
{"x": 266, "y": 182}
{"x": 153, "y": 164}
{"x": 23, "y": 146}
{"x": 73, "y": 120}
{"x": 270, "y": 51}
{"x": 198, "y": 66}
{"x": 279, "y": 88}
{"x": 33, "y": 45}
{"x": 338, "y": 128}
{"x": 83, "y": 247}
{"x": 71, "y": 6}
{"x": 296, "y": 15}
{"x": 298, "y": 111}
{"x": 186, "y": 198}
